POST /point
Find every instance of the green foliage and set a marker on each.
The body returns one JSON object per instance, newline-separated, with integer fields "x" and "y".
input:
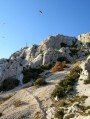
{"x": 62, "y": 103}
{"x": 63, "y": 59}
{"x": 33, "y": 73}
{"x": 27, "y": 77}
{"x": 69, "y": 116}
{"x": 1, "y": 114}
{"x": 64, "y": 45}
{"x": 73, "y": 51}
{"x": 76, "y": 69}
{"x": 69, "y": 88}
{"x": 64, "y": 63}
{"x": 9, "y": 84}
{"x": 88, "y": 44}
{"x": 89, "y": 112}
{"x": 46, "y": 66}
{"x": 40, "y": 82}
{"x": 1, "y": 87}
{"x": 58, "y": 91}
{"x": 65, "y": 86}
{"x": 23, "y": 57}
{"x": 37, "y": 69}
{"x": 87, "y": 81}
{"x": 59, "y": 114}
{"x": 83, "y": 108}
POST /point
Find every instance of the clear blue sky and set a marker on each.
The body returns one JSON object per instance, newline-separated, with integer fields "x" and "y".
{"x": 20, "y": 21}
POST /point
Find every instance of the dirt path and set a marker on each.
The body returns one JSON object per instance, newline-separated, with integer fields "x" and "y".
{"x": 36, "y": 99}
{"x": 38, "y": 103}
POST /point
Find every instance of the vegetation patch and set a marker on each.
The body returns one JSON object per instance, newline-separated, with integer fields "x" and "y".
{"x": 82, "y": 109}
{"x": 65, "y": 86}
{"x": 1, "y": 114}
{"x": 87, "y": 81}
{"x": 74, "y": 51}
{"x": 63, "y": 58}
{"x": 40, "y": 82}
{"x": 69, "y": 116}
{"x": 33, "y": 73}
{"x": 9, "y": 84}
{"x": 59, "y": 114}
{"x": 58, "y": 67}
{"x": 18, "y": 103}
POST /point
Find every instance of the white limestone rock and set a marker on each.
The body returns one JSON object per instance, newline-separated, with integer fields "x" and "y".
{"x": 37, "y": 61}
{"x": 50, "y": 113}
{"x": 54, "y": 42}
{"x": 47, "y": 52}
{"x": 85, "y": 38}
{"x": 86, "y": 69}
{"x": 50, "y": 56}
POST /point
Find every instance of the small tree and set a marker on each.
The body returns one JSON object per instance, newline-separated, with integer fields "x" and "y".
{"x": 40, "y": 82}
{"x": 58, "y": 91}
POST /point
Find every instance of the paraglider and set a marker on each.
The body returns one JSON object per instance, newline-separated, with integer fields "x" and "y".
{"x": 40, "y": 11}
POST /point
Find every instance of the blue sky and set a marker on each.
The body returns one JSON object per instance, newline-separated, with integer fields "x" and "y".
{"x": 20, "y": 21}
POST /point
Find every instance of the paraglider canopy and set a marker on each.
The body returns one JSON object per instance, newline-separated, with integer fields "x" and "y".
{"x": 40, "y": 11}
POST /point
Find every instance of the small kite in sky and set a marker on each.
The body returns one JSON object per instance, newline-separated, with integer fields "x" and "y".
{"x": 40, "y": 11}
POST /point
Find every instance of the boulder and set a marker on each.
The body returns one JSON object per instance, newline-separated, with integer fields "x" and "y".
{"x": 86, "y": 69}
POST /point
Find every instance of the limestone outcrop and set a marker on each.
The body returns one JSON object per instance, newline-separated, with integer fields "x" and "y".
{"x": 47, "y": 52}
{"x": 85, "y": 39}
{"x": 86, "y": 69}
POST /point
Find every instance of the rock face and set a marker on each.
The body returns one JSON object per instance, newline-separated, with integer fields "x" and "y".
{"x": 85, "y": 38}
{"x": 86, "y": 69}
{"x": 47, "y": 52}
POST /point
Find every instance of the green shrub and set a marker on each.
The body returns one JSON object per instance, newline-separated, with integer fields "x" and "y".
{"x": 35, "y": 75}
{"x": 83, "y": 108}
{"x": 88, "y": 44}
{"x": 64, "y": 63}
{"x": 59, "y": 114}
{"x": 76, "y": 69}
{"x": 58, "y": 91}
{"x": 23, "y": 57}
{"x": 87, "y": 81}
{"x": 46, "y": 66}
{"x": 73, "y": 51}
{"x": 69, "y": 116}
{"x": 64, "y": 45}
{"x": 69, "y": 88}
{"x": 27, "y": 77}
{"x": 61, "y": 59}
{"x": 37, "y": 69}
{"x": 9, "y": 84}
{"x": 40, "y": 82}
{"x": 65, "y": 86}
{"x": 31, "y": 73}
{"x": 1, "y": 87}
{"x": 62, "y": 103}
{"x": 0, "y": 114}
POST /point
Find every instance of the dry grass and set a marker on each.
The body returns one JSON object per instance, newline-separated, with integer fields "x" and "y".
{"x": 58, "y": 67}
{"x": 18, "y": 103}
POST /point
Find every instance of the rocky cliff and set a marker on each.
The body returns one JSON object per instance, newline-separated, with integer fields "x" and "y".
{"x": 67, "y": 93}
{"x": 85, "y": 39}
{"x": 45, "y": 53}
